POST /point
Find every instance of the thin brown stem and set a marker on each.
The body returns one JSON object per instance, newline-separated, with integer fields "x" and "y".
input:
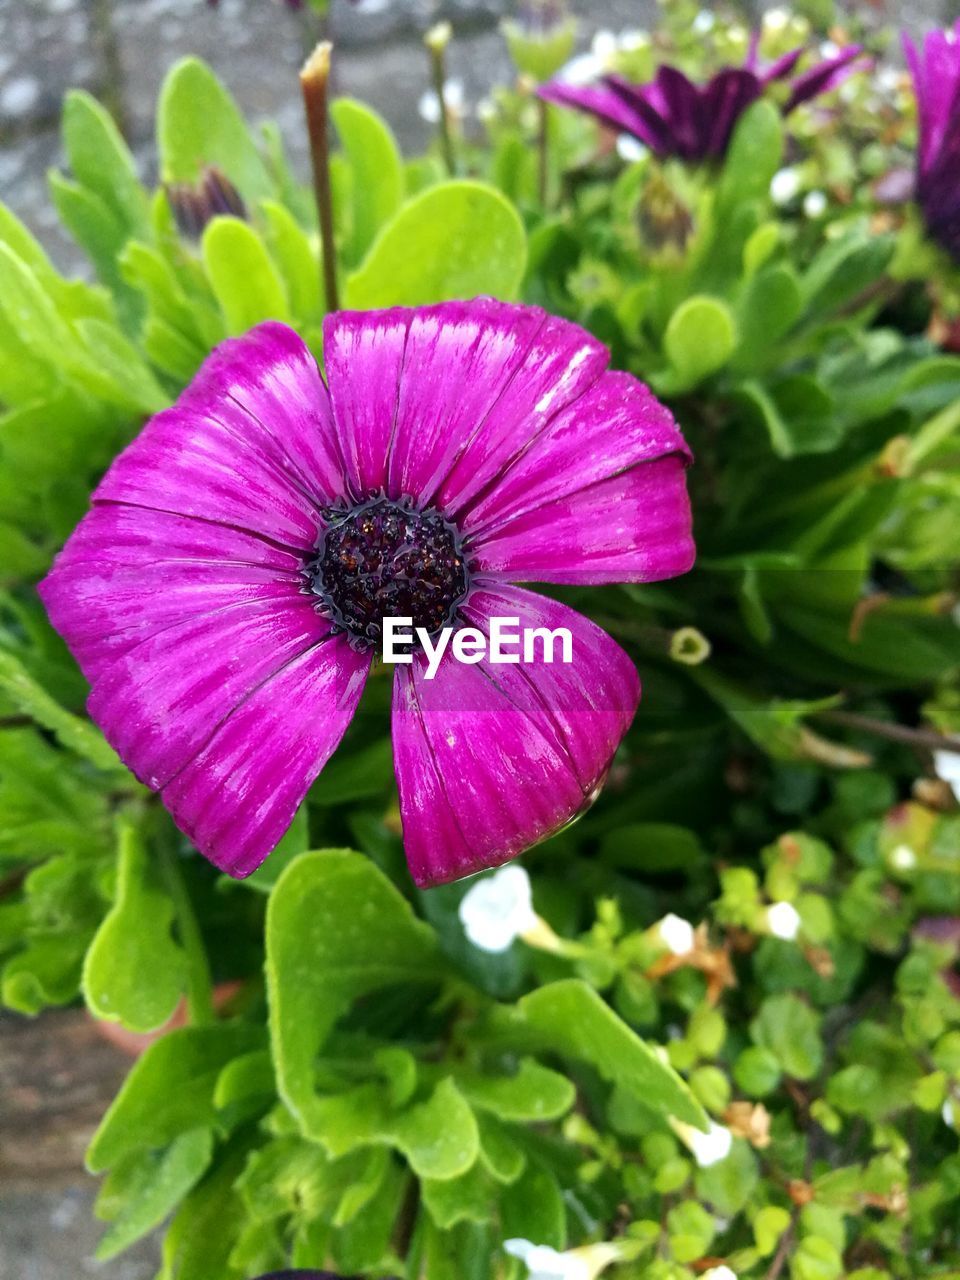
{"x": 926, "y": 739}
{"x": 314, "y": 82}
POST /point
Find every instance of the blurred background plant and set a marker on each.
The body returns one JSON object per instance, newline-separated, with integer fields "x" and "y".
{"x": 756, "y": 929}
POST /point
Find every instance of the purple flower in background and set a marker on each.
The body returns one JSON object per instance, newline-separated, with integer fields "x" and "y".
{"x": 936, "y": 77}
{"x": 225, "y": 595}
{"x": 675, "y": 117}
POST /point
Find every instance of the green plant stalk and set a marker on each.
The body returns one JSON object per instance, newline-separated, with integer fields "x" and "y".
{"x": 199, "y": 980}
{"x": 436, "y": 43}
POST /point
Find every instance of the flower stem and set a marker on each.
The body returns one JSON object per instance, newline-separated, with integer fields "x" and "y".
{"x": 543, "y": 151}
{"x": 436, "y": 40}
{"x": 199, "y": 981}
{"x": 927, "y": 739}
{"x": 314, "y": 82}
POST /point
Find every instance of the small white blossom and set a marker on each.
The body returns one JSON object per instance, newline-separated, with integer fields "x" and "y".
{"x": 704, "y": 22}
{"x": 949, "y": 1113}
{"x": 544, "y": 1263}
{"x": 606, "y": 45}
{"x": 814, "y": 204}
{"x": 706, "y": 1148}
{"x": 630, "y": 148}
{"x": 719, "y": 1273}
{"x": 776, "y": 19}
{"x": 829, "y": 49}
{"x": 676, "y": 934}
{"x": 947, "y": 765}
{"x": 783, "y": 921}
{"x": 784, "y": 185}
{"x": 903, "y": 858}
{"x": 453, "y": 97}
{"x": 498, "y": 909}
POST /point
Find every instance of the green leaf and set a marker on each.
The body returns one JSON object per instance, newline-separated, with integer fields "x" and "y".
{"x": 753, "y": 157}
{"x": 377, "y": 171}
{"x": 146, "y": 1188}
{"x": 101, "y": 160}
{"x": 700, "y": 339}
{"x": 134, "y": 971}
{"x": 33, "y": 314}
{"x": 771, "y": 305}
{"x": 244, "y": 279}
{"x": 122, "y": 376}
{"x": 569, "y": 1018}
{"x": 439, "y": 1136}
{"x": 533, "y": 1209}
{"x": 73, "y": 733}
{"x": 533, "y": 1093}
{"x": 337, "y": 929}
{"x": 790, "y": 1030}
{"x": 298, "y": 261}
{"x": 456, "y": 240}
{"x": 469, "y": 1198}
{"x": 169, "y": 1091}
{"x": 199, "y": 124}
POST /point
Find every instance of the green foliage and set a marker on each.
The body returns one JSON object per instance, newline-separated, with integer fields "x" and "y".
{"x": 380, "y": 1097}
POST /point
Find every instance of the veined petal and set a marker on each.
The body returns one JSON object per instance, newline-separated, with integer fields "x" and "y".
{"x": 160, "y": 701}
{"x": 491, "y": 759}
{"x": 599, "y": 496}
{"x": 632, "y": 527}
{"x": 725, "y": 99}
{"x": 363, "y": 355}
{"x": 684, "y": 109}
{"x": 238, "y": 796}
{"x": 127, "y": 572}
{"x": 560, "y": 365}
{"x": 266, "y": 386}
{"x": 248, "y": 445}
{"x": 461, "y": 358}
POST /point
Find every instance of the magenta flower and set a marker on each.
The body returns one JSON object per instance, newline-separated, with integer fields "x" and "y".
{"x": 225, "y": 594}
{"x": 675, "y": 117}
{"x": 936, "y": 79}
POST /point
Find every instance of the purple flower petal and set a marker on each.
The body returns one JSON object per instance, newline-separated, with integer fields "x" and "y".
{"x": 160, "y": 701}
{"x": 610, "y": 108}
{"x": 560, "y": 365}
{"x": 491, "y": 759}
{"x": 781, "y": 68}
{"x": 249, "y": 445}
{"x": 726, "y": 98}
{"x": 823, "y": 77}
{"x": 238, "y": 796}
{"x": 595, "y": 481}
{"x": 936, "y": 75}
{"x": 646, "y": 102}
{"x": 126, "y": 572}
{"x": 634, "y": 527}
{"x": 684, "y": 108}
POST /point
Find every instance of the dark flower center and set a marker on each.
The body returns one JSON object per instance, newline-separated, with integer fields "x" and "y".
{"x": 384, "y": 559}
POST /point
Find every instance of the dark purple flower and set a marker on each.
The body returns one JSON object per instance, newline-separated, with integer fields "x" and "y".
{"x": 936, "y": 77}
{"x": 225, "y": 596}
{"x": 194, "y": 204}
{"x": 675, "y": 117}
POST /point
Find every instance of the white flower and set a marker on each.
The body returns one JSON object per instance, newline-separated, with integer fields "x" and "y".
{"x": 719, "y": 1273}
{"x": 783, "y": 920}
{"x": 949, "y": 1113}
{"x": 814, "y": 204}
{"x": 676, "y": 934}
{"x": 453, "y": 97}
{"x": 545, "y": 1263}
{"x": 829, "y": 49}
{"x": 704, "y": 22}
{"x": 903, "y": 858}
{"x": 776, "y": 19}
{"x": 784, "y": 185}
{"x": 947, "y": 765}
{"x": 498, "y": 909}
{"x": 606, "y": 45}
{"x": 630, "y": 148}
{"x": 706, "y": 1148}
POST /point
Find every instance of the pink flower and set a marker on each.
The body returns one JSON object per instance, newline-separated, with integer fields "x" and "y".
{"x": 225, "y": 594}
{"x": 935, "y": 68}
